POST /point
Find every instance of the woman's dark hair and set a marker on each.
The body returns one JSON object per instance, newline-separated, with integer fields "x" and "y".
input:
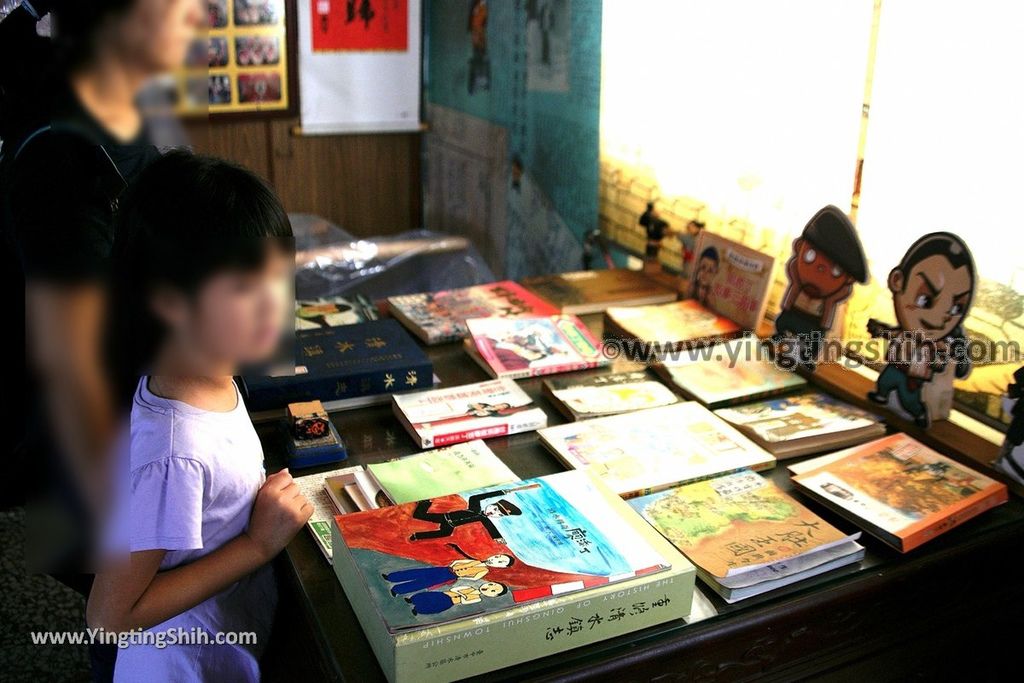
{"x": 186, "y": 218}
{"x": 76, "y": 26}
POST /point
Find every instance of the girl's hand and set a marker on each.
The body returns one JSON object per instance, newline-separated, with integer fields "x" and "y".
{"x": 279, "y": 512}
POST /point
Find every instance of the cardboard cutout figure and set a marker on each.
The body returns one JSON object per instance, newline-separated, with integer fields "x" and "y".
{"x": 827, "y": 259}
{"x": 932, "y": 289}
{"x": 1011, "y": 456}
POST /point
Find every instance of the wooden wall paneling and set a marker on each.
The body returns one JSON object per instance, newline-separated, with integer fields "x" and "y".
{"x": 244, "y": 142}
{"x": 367, "y": 184}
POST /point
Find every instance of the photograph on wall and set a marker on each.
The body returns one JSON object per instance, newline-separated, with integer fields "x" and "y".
{"x": 360, "y": 25}
{"x": 241, "y": 64}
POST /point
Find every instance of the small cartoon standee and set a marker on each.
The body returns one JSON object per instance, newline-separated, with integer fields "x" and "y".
{"x": 827, "y": 259}
{"x": 932, "y": 288}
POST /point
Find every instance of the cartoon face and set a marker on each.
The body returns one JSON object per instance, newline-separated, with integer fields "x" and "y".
{"x": 932, "y": 298}
{"x": 707, "y": 269}
{"x": 819, "y": 275}
{"x": 493, "y": 511}
{"x": 491, "y": 589}
{"x": 499, "y": 561}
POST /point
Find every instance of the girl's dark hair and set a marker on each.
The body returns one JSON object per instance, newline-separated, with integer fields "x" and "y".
{"x": 76, "y": 26}
{"x": 186, "y": 218}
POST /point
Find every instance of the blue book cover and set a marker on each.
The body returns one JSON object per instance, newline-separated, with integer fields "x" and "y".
{"x": 365, "y": 359}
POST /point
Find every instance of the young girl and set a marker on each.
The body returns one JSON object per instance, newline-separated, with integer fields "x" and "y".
{"x": 203, "y": 266}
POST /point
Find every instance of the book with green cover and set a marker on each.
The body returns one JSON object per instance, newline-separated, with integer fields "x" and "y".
{"x": 584, "y": 567}
{"x": 441, "y": 472}
{"x": 655, "y": 449}
{"x": 745, "y": 534}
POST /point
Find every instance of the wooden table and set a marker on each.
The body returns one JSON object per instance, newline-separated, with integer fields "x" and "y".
{"x": 953, "y": 607}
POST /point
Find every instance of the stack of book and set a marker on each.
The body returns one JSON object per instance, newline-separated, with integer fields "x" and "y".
{"x": 443, "y": 417}
{"x": 745, "y": 535}
{"x": 668, "y": 327}
{"x": 592, "y": 291}
{"x": 526, "y": 347}
{"x": 343, "y": 367}
{"x": 806, "y": 423}
{"x": 898, "y": 489}
{"x": 582, "y": 397}
{"x": 727, "y": 374}
{"x": 439, "y": 317}
{"x": 459, "y": 585}
{"x": 653, "y": 450}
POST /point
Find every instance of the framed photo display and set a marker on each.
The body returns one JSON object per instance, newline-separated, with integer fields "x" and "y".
{"x": 241, "y": 65}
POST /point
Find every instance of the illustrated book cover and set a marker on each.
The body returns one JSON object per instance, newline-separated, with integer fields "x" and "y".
{"x": 609, "y": 393}
{"x": 652, "y": 450}
{"x": 731, "y": 279}
{"x": 451, "y": 415}
{"x": 804, "y": 423}
{"x": 506, "y": 573}
{"x": 526, "y": 347}
{"x": 440, "y": 472}
{"x": 901, "y": 491}
{"x": 727, "y": 373}
{"x": 347, "y": 362}
{"x": 592, "y": 291}
{"x": 438, "y": 317}
{"x": 745, "y": 534}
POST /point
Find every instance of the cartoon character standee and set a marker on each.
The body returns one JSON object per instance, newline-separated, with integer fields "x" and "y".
{"x": 827, "y": 259}
{"x": 932, "y": 288}
{"x": 1011, "y": 456}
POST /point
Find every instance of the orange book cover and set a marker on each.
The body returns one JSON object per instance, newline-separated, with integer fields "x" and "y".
{"x": 672, "y": 323}
{"x": 902, "y": 491}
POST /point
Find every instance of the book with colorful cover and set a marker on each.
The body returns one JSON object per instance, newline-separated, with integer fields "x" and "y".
{"x": 901, "y": 491}
{"x": 526, "y": 347}
{"x": 437, "y": 317}
{"x": 803, "y": 423}
{"x": 746, "y": 535}
{"x": 652, "y": 450}
{"x": 728, "y": 373}
{"x": 325, "y": 508}
{"x": 503, "y": 573}
{"x": 312, "y": 314}
{"x": 668, "y": 327}
{"x": 451, "y": 415}
{"x": 441, "y": 472}
{"x": 350, "y": 361}
{"x": 731, "y": 279}
{"x": 592, "y": 291}
{"x": 609, "y": 393}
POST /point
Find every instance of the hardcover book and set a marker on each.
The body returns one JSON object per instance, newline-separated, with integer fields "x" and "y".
{"x": 804, "y": 423}
{"x": 651, "y": 450}
{"x": 900, "y": 490}
{"x": 668, "y": 327}
{"x": 592, "y": 291}
{"x": 443, "y": 417}
{"x": 504, "y": 573}
{"x": 598, "y": 395}
{"x": 745, "y": 535}
{"x": 731, "y": 279}
{"x": 441, "y": 316}
{"x": 441, "y": 472}
{"x": 527, "y": 347}
{"x": 312, "y": 314}
{"x": 728, "y": 373}
{"x": 325, "y": 509}
{"x": 351, "y": 361}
